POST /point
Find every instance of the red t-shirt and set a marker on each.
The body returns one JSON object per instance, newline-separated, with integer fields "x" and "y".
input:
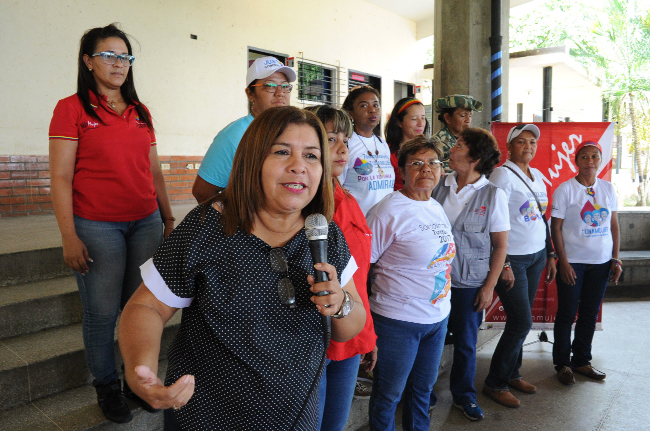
{"x": 399, "y": 182}
{"x": 350, "y": 219}
{"x": 112, "y": 175}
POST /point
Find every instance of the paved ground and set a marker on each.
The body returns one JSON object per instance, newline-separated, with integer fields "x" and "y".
{"x": 619, "y": 403}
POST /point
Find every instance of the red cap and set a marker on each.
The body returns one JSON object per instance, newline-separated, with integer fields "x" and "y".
{"x": 587, "y": 144}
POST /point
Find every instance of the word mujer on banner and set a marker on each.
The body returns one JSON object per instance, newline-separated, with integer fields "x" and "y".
{"x": 565, "y": 156}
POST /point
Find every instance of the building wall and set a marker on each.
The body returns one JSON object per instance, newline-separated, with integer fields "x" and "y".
{"x": 192, "y": 87}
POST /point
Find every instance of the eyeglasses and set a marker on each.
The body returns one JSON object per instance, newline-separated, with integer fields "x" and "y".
{"x": 419, "y": 164}
{"x": 279, "y": 265}
{"x": 111, "y": 58}
{"x": 271, "y": 87}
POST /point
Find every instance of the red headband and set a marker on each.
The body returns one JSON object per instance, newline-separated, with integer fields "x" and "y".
{"x": 407, "y": 105}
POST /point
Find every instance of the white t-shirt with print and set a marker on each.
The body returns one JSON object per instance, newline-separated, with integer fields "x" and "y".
{"x": 587, "y": 220}
{"x": 412, "y": 248}
{"x": 456, "y": 202}
{"x": 527, "y": 228}
{"x": 361, "y": 176}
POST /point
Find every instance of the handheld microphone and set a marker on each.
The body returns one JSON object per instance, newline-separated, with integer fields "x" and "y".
{"x": 316, "y": 232}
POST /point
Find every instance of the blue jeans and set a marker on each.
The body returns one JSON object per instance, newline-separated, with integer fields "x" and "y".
{"x": 583, "y": 298}
{"x": 408, "y": 359}
{"x": 464, "y": 322}
{"x": 336, "y": 392}
{"x": 117, "y": 250}
{"x": 517, "y": 303}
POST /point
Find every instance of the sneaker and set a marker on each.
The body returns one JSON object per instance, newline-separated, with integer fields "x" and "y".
{"x": 523, "y": 386}
{"x": 565, "y": 376}
{"x": 471, "y": 411}
{"x": 362, "y": 390}
{"x": 590, "y": 372}
{"x": 132, "y": 396}
{"x": 505, "y": 398}
{"x": 109, "y": 398}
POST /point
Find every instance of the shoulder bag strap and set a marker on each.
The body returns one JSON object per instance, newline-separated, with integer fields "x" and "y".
{"x": 550, "y": 250}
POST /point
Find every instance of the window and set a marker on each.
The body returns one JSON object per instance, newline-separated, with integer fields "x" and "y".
{"x": 317, "y": 83}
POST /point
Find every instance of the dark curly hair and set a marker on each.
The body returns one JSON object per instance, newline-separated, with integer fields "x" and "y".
{"x": 482, "y": 147}
{"x": 393, "y": 131}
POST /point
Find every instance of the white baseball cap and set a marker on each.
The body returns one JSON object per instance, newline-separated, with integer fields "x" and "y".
{"x": 264, "y": 67}
{"x": 516, "y": 131}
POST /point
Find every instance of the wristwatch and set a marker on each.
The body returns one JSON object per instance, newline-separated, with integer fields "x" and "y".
{"x": 346, "y": 307}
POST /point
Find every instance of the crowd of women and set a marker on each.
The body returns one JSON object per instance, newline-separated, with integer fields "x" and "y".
{"x": 413, "y": 255}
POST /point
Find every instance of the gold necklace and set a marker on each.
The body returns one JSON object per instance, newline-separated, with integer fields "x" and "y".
{"x": 376, "y": 156}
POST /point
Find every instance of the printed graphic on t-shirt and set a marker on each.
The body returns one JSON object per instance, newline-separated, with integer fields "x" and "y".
{"x": 362, "y": 166}
{"x": 528, "y": 211}
{"x": 595, "y": 217}
{"x": 444, "y": 255}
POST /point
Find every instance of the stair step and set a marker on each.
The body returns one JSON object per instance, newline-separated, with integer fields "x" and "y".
{"x": 32, "y": 307}
{"x": 32, "y": 265}
{"x": 37, "y": 365}
{"x": 75, "y": 410}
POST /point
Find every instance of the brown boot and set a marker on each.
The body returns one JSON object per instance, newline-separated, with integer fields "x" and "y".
{"x": 505, "y": 398}
{"x": 523, "y": 386}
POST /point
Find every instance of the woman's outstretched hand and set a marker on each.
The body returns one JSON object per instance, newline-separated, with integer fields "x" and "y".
{"x": 151, "y": 389}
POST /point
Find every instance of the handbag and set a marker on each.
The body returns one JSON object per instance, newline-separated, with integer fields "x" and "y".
{"x": 550, "y": 250}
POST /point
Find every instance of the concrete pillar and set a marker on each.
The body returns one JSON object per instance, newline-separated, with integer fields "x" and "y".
{"x": 462, "y": 54}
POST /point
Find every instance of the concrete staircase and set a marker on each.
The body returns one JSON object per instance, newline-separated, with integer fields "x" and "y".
{"x": 44, "y": 379}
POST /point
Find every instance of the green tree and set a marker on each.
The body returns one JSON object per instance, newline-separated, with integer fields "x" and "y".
{"x": 621, "y": 52}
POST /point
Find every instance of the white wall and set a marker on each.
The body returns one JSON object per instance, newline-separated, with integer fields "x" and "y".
{"x": 192, "y": 87}
{"x": 573, "y": 95}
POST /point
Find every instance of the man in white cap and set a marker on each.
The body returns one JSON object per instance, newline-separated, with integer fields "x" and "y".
{"x": 267, "y": 85}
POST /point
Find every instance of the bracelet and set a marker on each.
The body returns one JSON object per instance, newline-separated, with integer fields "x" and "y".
{"x": 506, "y": 266}
{"x": 551, "y": 256}
{"x": 169, "y": 218}
{"x": 618, "y": 262}
{"x": 168, "y": 228}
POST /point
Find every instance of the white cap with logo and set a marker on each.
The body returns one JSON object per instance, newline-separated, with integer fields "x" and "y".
{"x": 264, "y": 67}
{"x": 516, "y": 131}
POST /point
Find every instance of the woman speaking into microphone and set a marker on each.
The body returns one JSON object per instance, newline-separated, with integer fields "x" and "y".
{"x": 249, "y": 353}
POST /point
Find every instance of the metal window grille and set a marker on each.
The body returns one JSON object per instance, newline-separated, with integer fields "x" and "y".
{"x": 321, "y": 83}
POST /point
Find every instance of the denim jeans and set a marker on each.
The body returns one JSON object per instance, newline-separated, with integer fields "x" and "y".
{"x": 117, "y": 250}
{"x": 517, "y": 303}
{"x": 464, "y": 322}
{"x": 336, "y": 392}
{"x": 583, "y": 298}
{"x": 408, "y": 359}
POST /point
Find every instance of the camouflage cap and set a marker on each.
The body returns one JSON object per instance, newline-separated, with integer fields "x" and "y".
{"x": 457, "y": 101}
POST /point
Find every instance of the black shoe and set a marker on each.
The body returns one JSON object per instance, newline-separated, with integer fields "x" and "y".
{"x": 109, "y": 398}
{"x": 132, "y": 396}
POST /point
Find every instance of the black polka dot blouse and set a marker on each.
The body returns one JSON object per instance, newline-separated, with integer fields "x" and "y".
{"x": 254, "y": 359}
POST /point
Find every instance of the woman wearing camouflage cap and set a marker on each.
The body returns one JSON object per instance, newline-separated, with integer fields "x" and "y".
{"x": 455, "y": 113}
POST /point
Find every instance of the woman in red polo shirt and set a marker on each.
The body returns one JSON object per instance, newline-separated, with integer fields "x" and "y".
{"x": 339, "y": 380}
{"x": 109, "y": 197}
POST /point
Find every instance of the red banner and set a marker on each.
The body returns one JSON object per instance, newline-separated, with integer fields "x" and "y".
{"x": 555, "y": 160}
